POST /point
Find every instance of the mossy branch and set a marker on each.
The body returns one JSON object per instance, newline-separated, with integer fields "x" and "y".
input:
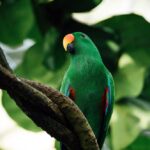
{"x": 55, "y": 113}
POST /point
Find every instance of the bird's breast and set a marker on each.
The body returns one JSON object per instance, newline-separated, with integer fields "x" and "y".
{"x": 88, "y": 81}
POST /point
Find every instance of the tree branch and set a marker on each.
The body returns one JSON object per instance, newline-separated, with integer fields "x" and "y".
{"x": 38, "y": 107}
{"x": 74, "y": 116}
{"x": 55, "y": 113}
{"x": 3, "y": 60}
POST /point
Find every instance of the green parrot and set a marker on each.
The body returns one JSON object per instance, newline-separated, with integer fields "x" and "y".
{"x": 88, "y": 83}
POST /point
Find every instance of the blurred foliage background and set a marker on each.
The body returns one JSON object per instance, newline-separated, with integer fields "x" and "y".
{"x": 31, "y": 33}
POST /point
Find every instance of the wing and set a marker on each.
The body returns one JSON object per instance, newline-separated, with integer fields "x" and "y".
{"x": 107, "y": 107}
{"x": 67, "y": 89}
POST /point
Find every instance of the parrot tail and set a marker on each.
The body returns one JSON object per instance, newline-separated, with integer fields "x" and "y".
{"x": 101, "y": 139}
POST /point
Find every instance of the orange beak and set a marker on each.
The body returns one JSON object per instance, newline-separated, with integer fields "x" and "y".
{"x": 69, "y": 38}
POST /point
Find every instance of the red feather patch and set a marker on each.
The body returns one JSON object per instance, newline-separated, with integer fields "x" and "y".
{"x": 105, "y": 100}
{"x": 72, "y": 93}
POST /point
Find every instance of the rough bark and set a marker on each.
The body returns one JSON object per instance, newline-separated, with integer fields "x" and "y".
{"x": 55, "y": 113}
{"x": 74, "y": 116}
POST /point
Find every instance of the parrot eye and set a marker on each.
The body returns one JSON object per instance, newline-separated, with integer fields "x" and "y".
{"x": 70, "y": 48}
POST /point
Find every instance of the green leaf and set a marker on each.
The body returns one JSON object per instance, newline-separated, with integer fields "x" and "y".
{"x": 130, "y": 117}
{"x": 57, "y": 145}
{"x": 35, "y": 34}
{"x": 141, "y": 142}
{"x": 73, "y": 5}
{"x": 145, "y": 94}
{"x": 16, "y": 20}
{"x": 33, "y": 69}
{"x": 129, "y": 78}
{"x": 134, "y": 30}
{"x": 134, "y": 35}
{"x": 141, "y": 56}
{"x": 55, "y": 55}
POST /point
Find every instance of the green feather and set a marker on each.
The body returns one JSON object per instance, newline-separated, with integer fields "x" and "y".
{"x": 89, "y": 77}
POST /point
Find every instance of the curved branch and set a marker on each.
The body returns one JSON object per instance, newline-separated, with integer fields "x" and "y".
{"x": 3, "y": 60}
{"x": 39, "y": 108}
{"x": 73, "y": 114}
{"x": 49, "y": 109}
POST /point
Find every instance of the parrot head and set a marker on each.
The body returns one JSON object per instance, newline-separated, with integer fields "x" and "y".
{"x": 78, "y": 43}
